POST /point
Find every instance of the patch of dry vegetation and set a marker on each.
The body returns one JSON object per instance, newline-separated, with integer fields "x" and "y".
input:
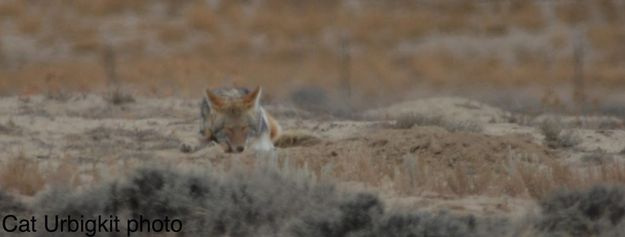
{"x": 451, "y": 164}
{"x": 516, "y": 178}
{"x": 408, "y": 121}
{"x": 430, "y": 160}
{"x": 596, "y": 211}
{"x": 263, "y": 201}
{"x": 21, "y": 175}
{"x": 406, "y": 162}
{"x": 119, "y": 96}
{"x": 268, "y": 199}
{"x": 556, "y": 136}
{"x": 10, "y": 128}
{"x": 597, "y": 157}
{"x": 443, "y": 42}
{"x": 26, "y": 176}
{"x": 297, "y": 138}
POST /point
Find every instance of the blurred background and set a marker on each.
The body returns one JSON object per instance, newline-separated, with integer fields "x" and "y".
{"x": 520, "y": 54}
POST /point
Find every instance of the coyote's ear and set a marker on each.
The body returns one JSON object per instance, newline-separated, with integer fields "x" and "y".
{"x": 214, "y": 100}
{"x": 252, "y": 100}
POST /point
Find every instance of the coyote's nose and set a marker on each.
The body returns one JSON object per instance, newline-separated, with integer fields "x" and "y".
{"x": 240, "y": 149}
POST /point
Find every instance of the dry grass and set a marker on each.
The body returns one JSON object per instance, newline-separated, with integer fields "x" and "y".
{"x": 556, "y": 136}
{"x": 119, "y": 96}
{"x": 276, "y": 199}
{"x": 597, "y": 157}
{"x": 29, "y": 24}
{"x": 521, "y": 179}
{"x": 87, "y": 44}
{"x": 573, "y": 12}
{"x": 275, "y": 42}
{"x": 408, "y": 121}
{"x": 202, "y": 18}
{"x": 22, "y": 175}
{"x": 27, "y": 176}
{"x": 297, "y": 138}
{"x": 172, "y": 34}
{"x": 105, "y": 7}
{"x": 527, "y": 15}
{"x": 518, "y": 177}
{"x": 10, "y": 128}
{"x": 11, "y": 8}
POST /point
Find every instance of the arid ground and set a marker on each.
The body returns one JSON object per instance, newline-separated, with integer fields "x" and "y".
{"x": 401, "y": 118}
{"x": 433, "y": 154}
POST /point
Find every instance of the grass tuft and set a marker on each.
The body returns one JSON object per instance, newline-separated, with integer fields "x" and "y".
{"x": 119, "y": 97}
{"x": 556, "y": 136}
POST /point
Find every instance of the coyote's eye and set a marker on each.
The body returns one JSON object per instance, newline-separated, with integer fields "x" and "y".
{"x": 220, "y": 135}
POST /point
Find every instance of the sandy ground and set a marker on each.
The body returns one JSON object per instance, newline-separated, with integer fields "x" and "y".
{"x": 93, "y": 134}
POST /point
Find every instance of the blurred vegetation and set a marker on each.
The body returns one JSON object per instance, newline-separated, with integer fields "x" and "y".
{"x": 171, "y": 47}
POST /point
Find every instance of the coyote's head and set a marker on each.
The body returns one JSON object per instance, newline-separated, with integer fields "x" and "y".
{"x": 232, "y": 118}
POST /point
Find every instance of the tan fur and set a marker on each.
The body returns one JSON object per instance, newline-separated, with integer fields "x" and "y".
{"x": 274, "y": 128}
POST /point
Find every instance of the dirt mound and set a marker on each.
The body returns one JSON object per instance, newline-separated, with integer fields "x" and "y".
{"x": 383, "y": 153}
{"x": 459, "y": 109}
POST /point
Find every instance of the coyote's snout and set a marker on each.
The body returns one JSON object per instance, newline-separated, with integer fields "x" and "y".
{"x": 234, "y": 119}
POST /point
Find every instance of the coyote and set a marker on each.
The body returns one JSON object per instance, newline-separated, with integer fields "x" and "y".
{"x": 234, "y": 119}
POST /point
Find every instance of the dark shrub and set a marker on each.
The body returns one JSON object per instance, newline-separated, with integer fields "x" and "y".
{"x": 583, "y": 213}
